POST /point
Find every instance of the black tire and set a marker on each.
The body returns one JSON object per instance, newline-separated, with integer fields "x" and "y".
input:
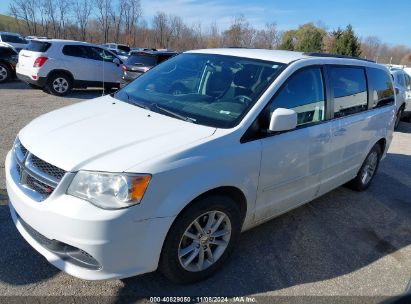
{"x": 170, "y": 264}
{"x": 360, "y": 183}
{"x": 5, "y": 72}
{"x": 53, "y": 84}
{"x": 400, "y": 114}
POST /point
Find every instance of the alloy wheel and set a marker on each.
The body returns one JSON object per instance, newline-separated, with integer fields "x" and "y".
{"x": 3, "y": 73}
{"x": 60, "y": 85}
{"x": 369, "y": 167}
{"x": 204, "y": 241}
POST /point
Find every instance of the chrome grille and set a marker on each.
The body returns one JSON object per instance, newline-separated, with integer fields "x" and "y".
{"x": 38, "y": 186}
{"x": 47, "y": 168}
{"x": 35, "y": 173}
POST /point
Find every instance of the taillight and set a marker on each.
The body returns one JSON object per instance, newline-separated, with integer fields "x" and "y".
{"x": 123, "y": 68}
{"x": 38, "y": 63}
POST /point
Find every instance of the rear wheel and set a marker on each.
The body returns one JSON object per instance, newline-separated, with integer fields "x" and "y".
{"x": 4, "y": 72}
{"x": 367, "y": 171}
{"x": 201, "y": 239}
{"x": 59, "y": 84}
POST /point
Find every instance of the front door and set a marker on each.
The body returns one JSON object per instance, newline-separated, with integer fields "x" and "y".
{"x": 292, "y": 161}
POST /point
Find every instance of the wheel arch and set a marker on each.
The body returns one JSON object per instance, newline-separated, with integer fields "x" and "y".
{"x": 232, "y": 192}
{"x": 58, "y": 71}
{"x": 383, "y": 144}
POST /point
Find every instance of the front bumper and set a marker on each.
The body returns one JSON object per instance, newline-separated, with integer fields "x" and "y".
{"x": 120, "y": 245}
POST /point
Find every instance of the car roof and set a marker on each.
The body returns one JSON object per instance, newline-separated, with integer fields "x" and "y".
{"x": 10, "y": 33}
{"x": 282, "y": 56}
{"x": 152, "y": 52}
{"x": 397, "y": 71}
{"x": 65, "y": 42}
{"x": 269, "y": 55}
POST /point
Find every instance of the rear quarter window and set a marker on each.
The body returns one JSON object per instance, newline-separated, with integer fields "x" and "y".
{"x": 38, "y": 46}
{"x": 382, "y": 90}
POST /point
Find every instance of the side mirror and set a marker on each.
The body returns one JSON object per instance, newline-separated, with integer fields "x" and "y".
{"x": 283, "y": 120}
{"x": 116, "y": 61}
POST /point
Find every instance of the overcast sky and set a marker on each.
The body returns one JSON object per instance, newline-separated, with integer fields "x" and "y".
{"x": 379, "y": 18}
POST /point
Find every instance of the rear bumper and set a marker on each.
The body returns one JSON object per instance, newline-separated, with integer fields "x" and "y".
{"x": 40, "y": 81}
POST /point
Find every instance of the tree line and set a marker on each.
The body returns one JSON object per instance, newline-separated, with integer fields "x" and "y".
{"x": 122, "y": 21}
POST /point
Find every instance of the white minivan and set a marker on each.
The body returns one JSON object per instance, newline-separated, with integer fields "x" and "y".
{"x": 167, "y": 172}
{"x": 60, "y": 65}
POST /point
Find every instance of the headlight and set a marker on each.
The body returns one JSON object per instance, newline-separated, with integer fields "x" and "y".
{"x": 109, "y": 190}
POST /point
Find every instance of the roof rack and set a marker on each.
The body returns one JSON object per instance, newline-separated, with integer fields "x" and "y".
{"x": 314, "y": 54}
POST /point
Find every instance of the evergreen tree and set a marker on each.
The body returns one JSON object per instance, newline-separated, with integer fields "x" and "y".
{"x": 345, "y": 42}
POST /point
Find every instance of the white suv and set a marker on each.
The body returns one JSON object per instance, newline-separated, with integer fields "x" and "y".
{"x": 60, "y": 65}
{"x": 402, "y": 83}
{"x": 167, "y": 172}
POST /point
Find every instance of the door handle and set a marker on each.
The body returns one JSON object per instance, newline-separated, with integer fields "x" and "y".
{"x": 340, "y": 132}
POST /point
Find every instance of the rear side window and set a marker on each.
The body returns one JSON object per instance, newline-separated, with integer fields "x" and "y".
{"x": 38, "y": 46}
{"x": 146, "y": 60}
{"x": 13, "y": 39}
{"x": 75, "y": 51}
{"x": 304, "y": 93}
{"x": 349, "y": 87}
{"x": 382, "y": 91}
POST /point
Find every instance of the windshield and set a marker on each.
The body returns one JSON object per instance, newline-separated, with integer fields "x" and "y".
{"x": 13, "y": 39}
{"x": 123, "y": 48}
{"x": 207, "y": 89}
{"x": 147, "y": 60}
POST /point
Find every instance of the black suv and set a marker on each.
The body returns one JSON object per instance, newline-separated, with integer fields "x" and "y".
{"x": 8, "y": 61}
{"x": 140, "y": 62}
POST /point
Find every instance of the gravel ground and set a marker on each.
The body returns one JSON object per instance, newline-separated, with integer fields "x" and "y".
{"x": 342, "y": 244}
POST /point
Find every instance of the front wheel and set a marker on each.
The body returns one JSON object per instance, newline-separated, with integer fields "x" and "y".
{"x": 367, "y": 171}
{"x": 201, "y": 239}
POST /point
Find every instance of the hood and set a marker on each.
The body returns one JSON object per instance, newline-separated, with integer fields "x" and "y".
{"x": 105, "y": 134}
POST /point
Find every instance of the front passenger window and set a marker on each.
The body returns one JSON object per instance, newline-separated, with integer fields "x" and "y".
{"x": 304, "y": 93}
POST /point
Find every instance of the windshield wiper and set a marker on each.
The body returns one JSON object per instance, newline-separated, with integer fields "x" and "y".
{"x": 176, "y": 115}
{"x": 136, "y": 103}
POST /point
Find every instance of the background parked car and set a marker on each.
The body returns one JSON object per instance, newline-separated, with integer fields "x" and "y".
{"x": 140, "y": 62}
{"x": 402, "y": 83}
{"x": 8, "y": 61}
{"x": 121, "y": 50}
{"x": 60, "y": 65}
{"x": 13, "y": 39}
